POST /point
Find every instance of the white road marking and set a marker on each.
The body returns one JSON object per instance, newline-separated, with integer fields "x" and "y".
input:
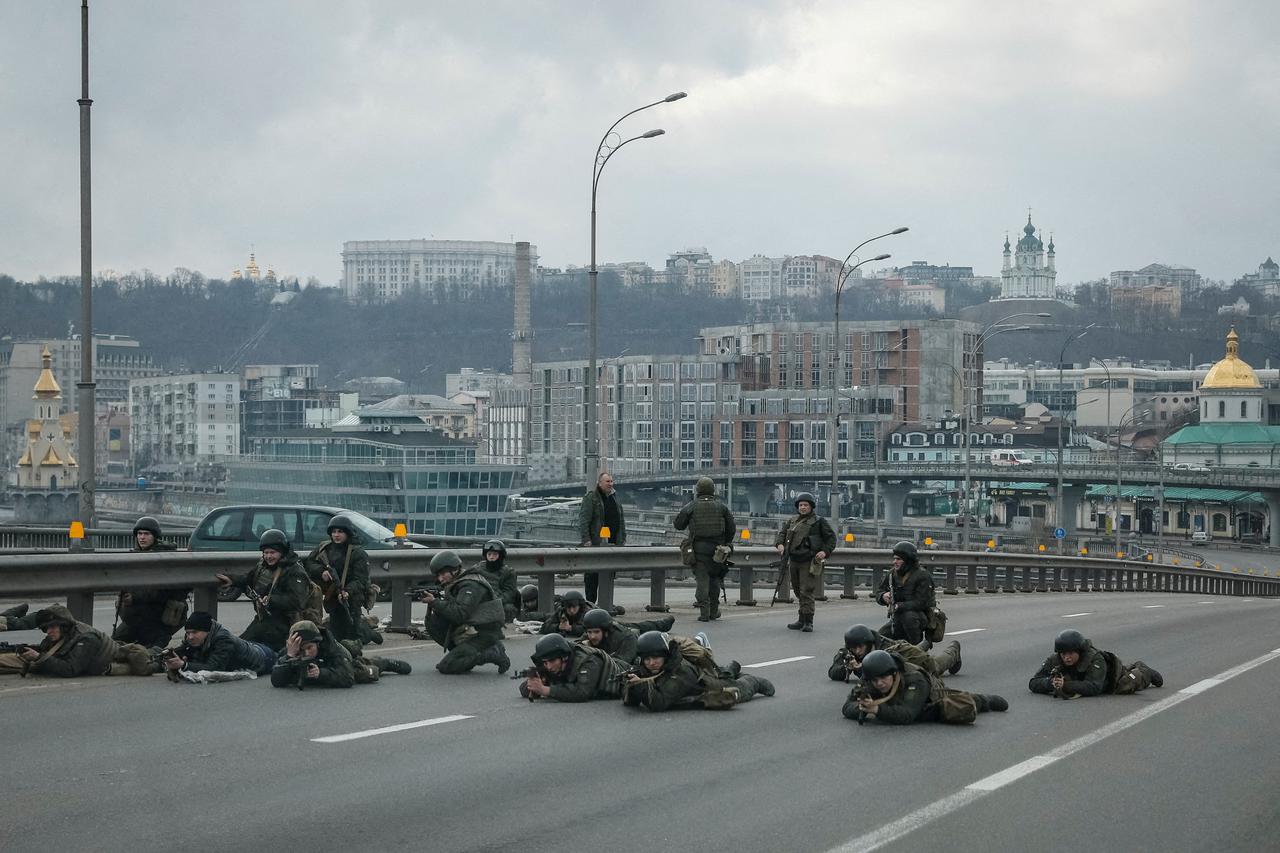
{"x": 776, "y": 662}
{"x": 918, "y": 818}
{"x": 1206, "y": 602}
{"x": 389, "y": 729}
{"x": 1152, "y": 606}
{"x": 1074, "y": 615}
{"x": 1245, "y": 600}
{"x": 965, "y": 631}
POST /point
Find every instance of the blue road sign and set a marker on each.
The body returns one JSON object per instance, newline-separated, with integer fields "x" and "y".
{"x": 1059, "y": 533}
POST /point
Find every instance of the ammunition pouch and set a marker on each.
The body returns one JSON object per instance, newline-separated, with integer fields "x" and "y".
{"x": 174, "y": 613}
{"x": 936, "y": 626}
{"x": 958, "y": 707}
{"x": 687, "y": 557}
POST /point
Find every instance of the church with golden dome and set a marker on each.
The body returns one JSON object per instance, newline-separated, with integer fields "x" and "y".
{"x": 48, "y": 475}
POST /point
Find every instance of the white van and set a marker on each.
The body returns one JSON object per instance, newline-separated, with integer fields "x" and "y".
{"x": 1010, "y": 457}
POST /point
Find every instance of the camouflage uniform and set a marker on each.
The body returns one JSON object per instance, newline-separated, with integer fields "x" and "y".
{"x": 289, "y": 589}
{"x": 913, "y": 598}
{"x": 710, "y": 524}
{"x": 802, "y": 537}
{"x": 332, "y": 660}
{"x": 467, "y": 621}
{"x": 1095, "y": 673}
{"x": 351, "y": 561}
{"x": 589, "y": 673}
{"x": 937, "y": 664}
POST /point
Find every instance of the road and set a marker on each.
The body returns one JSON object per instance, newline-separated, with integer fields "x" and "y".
{"x": 142, "y": 764}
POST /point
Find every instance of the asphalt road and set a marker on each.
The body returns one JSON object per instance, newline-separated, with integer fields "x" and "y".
{"x": 142, "y": 764}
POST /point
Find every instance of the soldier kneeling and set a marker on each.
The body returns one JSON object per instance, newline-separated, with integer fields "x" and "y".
{"x": 572, "y": 672}
{"x": 679, "y": 673}
{"x": 898, "y": 693}
{"x": 860, "y": 640}
{"x": 1077, "y": 669}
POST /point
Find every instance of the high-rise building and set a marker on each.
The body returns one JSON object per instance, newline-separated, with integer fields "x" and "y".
{"x": 760, "y": 278}
{"x": 382, "y": 270}
{"x": 185, "y": 419}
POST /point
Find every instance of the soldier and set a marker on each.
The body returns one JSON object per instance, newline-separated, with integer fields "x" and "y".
{"x": 805, "y": 542}
{"x": 711, "y": 528}
{"x": 465, "y": 618}
{"x": 860, "y": 640}
{"x": 17, "y": 619}
{"x": 71, "y": 649}
{"x": 341, "y": 568}
{"x": 573, "y": 606}
{"x": 898, "y": 693}
{"x": 368, "y": 669}
{"x": 907, "y": 590}
{"x": 677, "y": 673}
{"x": 529, "y": 611}
{"x": 149, "y": 617}
{"x": 1077, "y": 669}
{"x": 208, "y": 645}
{"x": 572, "y": 672}
{"x": 600, "y": 509}
{"x": 501, "y": 577}
{"x": 312, "y": 657}
{"x": 600, "y": 631}
{"x": 280, "y": 589}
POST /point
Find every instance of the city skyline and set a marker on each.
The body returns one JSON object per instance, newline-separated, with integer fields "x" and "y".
{"x": 478, "y": 124}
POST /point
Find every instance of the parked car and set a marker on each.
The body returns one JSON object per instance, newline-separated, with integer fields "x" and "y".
{"x": 1011, "y": 457}
{"x": 237, "y": 528}
{"x": 1200, "y": 536}
{"x": 960, "y": 519}
{"x": 1189, "y": 466}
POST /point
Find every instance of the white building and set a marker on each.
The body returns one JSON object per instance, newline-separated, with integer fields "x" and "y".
{"x": 760, "y": 278}
{"x": 1029, "y": 273}
{"x": 186, "y": 419}
{"x": 381, "y": 270}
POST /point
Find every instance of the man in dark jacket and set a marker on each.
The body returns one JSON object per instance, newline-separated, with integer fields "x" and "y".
{"x": 341, "y": 568}
{"x": 601, "y": 512}
{"x": 500, "y": 576}
{"x": 711, "y": 527}
{"x": 465, "y": 618}
{"x": 573, "y": 606}
{"x": 279, "y": 587}
{"x": 907, "y": 590}
{"x": 860, "y": 640}
{"x": 572, "y": 672}
{"x": 1077, "y": 669}
{"x": 805, "y": 541}
{"x": 208, "y": 645}
{"x": 599, "y": 630}
{"x": 675, "y": 673}
{"x": 149, "y": 617}
{"x": 895, "y": 692}
{"x": 312, "y": 657}
{"x": 69, "y": 649}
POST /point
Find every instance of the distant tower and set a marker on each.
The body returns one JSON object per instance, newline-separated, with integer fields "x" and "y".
{"x": 1031, "y": 276}
{"x": 48, "y": 474}
{"x": 1008, "y": 263}
{"x": 522, "y": 330}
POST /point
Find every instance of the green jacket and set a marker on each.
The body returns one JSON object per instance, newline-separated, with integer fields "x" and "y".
{"x": 709, "y": 522}
{"x": 591, "y": 519}
{"x": 911, "y": 591}
{"x": 912, "y": 654}
{"x": 619, "y": 641}
{"x": 590, "y": 674}
{"x": 1089, "y": 677}
{"x": 469, "y": 600}
{"x": 146, "y": 606}
{"x": 913, "y": 702}
{"x": 289, "y": 594}
{"x": 329, "y": 557}
{"x": 334, "y": 662}
{"x": 83, "y": 650}
{"x": 804, "y": 536}
{"x": 503, "y": 580}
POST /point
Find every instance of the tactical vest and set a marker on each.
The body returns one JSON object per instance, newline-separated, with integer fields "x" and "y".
{"x": 487, "y": 612}
{"x": 706, "y": 519}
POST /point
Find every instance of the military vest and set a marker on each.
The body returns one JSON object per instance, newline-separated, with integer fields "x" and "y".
{"x": 706, "y": 519}
{"x": 487, "y": 612}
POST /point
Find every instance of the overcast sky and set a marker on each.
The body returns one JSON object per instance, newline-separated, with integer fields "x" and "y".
{"x": 1136, "y": 131}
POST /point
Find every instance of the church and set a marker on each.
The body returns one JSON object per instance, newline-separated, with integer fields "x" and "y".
{"x": 48, "y": 476}
{"x": 1028, "y": 271}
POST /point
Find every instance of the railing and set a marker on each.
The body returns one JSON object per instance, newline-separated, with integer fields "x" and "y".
{"x": 27, "y": 539}
{"x": 79, "y": 576}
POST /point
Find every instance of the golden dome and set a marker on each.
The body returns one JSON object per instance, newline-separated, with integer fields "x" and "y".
{"x": 46, "y": 385}
{"x": 1231, "y": 372}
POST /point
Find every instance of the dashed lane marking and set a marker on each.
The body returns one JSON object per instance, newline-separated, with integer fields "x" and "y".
{"x": 1074, "y": 615}
{"x": 776, "y": 662}
{"x": 1206, "y": 602}
{"x": 1151, "y": 606}
{"x": 919, "y": 818}
{"x": 435, "y": 721}
{"x": 965, "y": 631}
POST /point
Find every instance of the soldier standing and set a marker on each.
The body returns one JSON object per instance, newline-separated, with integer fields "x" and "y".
{"x": 465, "y": 618}
{"x": 711, "y": 528}
{"x": 149, "y": 617}
{"x": 907, "y": 590}
{"x": 898, "y": 693}
{"x": 805, "y": 541}
{"x": 600, "y": 509}
{"x": 860, "y": 640}
{"x": 341, "y": 568}
{"x": 279, "y": 587}
{"x": 1078, "y": 669}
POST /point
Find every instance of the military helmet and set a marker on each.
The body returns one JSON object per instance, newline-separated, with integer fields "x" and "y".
{"x": 705, "y": 486}
{"x": 275, "y": 540}
{"x": 878, "y": 664}
{"x": 573, "y": 597}
{"x": 551, "y": 646}
{"x": 445, "y": 561}
{"x": 653, "y": 644}
{"x": 495, "y": 545}
{"x": 307, "y": 630}
{"x": 1069, "y": 640}
{"x": 808, "y": 497}
{"x": 859, "y": 635}
{"x": 529, "y": 594}
{"x": 906, "y": 550}
{"x": 148, "y": 524}
{"x": 341, "y": 521}
{"x": 597, "y": 618}
{"x": 54, "y": 614}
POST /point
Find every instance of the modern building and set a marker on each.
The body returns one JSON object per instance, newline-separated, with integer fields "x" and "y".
{"x": 726, "y": 282}
{"x": 945, "y": 274}
{"x": 1029, "y": 271}
{"x": 806, "y": 276}
{"x": 382, "y": 270}
{"x": 1150, "y": 299}
{"x": 471, "y": 380}
{"x": 281, "y": 397}
{"x": 184, "y": 420}
{"x": 388, "y": 464}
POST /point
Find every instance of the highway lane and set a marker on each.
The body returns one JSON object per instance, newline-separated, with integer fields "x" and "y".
{"x": 237, "y": 764}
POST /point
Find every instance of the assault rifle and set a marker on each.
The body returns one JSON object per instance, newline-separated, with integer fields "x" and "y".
{"x": 782, "y": 564}
{"x": 14, "y": 648}
{"x": 858, "y": 694}
{"x": 259, "y": 602}
{"x": 417, "y": 592}
{"x": 299, "y": 665}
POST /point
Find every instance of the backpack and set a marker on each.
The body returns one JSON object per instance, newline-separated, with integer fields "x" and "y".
{"x": 687, "y": 557}
{"x": 958, "y": 707}
{"x": 936, "y": 627}
{"x": 718, "y": 693}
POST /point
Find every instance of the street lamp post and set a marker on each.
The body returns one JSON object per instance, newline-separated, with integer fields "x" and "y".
{"x": 833, "y": 417}
{"x": 609, "y": 145}
{"x": 85, "y": 388}
{"x": 1057, "y": 516}
{"x": 1120, "y": 423}
{"x": 1107, "y": 371}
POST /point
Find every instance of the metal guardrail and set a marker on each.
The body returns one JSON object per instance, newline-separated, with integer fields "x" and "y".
{"x": 14, "y": 536}
{"x": 79, "y": 576}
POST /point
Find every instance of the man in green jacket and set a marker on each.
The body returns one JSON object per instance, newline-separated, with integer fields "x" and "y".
{"x": 805, "y": 541}
{"x": 341, "y": 568}
{"x": 71, "y": 649}
{"x": 711, "y": 527}
{"x": 601, "y": 631}
{"x": 908, "y": 591}
{"x": 279, "y": 587}
{"x": 312, "y": 657}
{"x": 895, "y": 692}
{"x": 1078, "y": 669}
{"x": 465, "y": 618}
{"x": 675, "y": 673}
{"x": 500, "y": 576}
{"x": 860, "y": 640}
{"x": 601, "y": 511}
{"x": 572, "y": 672}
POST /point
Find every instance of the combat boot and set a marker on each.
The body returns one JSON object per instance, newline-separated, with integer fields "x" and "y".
{"x": 499, "y": 656}
{"x": 399, "y": 667}
{"x": 764, "y": 687}
{"x": 955, "y": 667}
{"x": 990, "y": 702}
{"x": 1155, "y": 678}
{"x": 664, "y": 623}
{"x": 797, "y": 625}
{"x": 15, "y": 612}
{"x": 807, "y": 627}
{"x": 704, "y": 613}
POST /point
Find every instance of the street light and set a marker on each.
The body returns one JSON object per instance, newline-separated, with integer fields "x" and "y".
{"x": 1061, "y": 418}
{"x": 833, "y": 417}
{"x": 609, "y": 145}
{"x": 1116, "y": 528}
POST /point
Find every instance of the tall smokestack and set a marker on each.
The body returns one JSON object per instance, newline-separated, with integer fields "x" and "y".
{"x": 522, "y": 333}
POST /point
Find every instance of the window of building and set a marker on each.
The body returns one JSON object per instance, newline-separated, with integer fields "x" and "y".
{"x": 1222, "y": 408}
{"x": 1244, "y": 408}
